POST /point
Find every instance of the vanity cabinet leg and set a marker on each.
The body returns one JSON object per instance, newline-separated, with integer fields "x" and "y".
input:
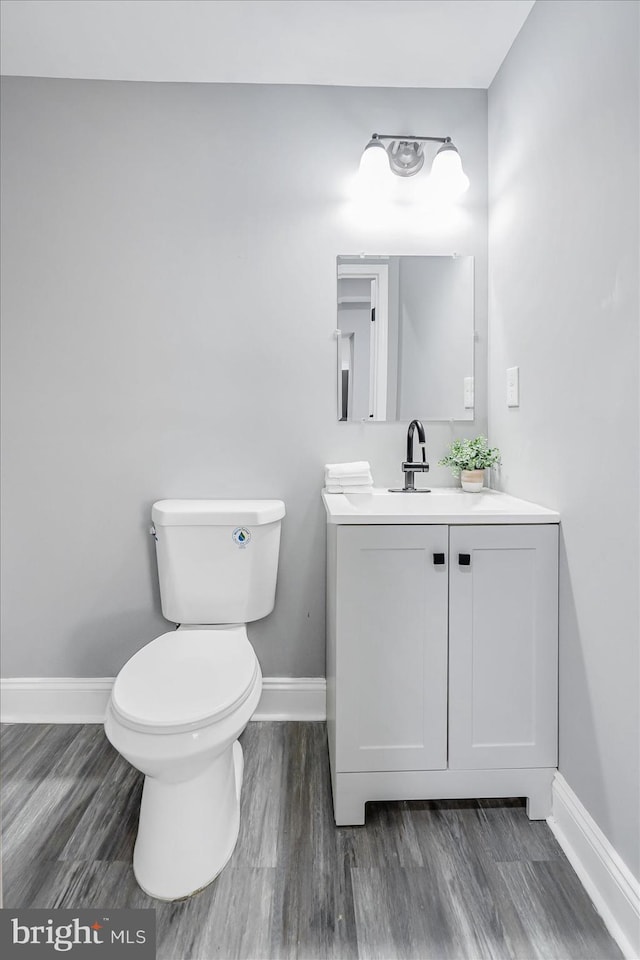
{"x": 539, "y": 802}
{"x": 348, "y": 810}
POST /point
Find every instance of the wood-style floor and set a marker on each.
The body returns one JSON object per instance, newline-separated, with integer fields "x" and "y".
{"x": 421, "y": 880}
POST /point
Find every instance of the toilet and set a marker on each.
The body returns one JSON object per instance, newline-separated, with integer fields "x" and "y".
{"x": 180, "y": 703}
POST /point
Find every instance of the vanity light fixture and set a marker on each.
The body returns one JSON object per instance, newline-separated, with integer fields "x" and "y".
{"x": 404, "y": 156}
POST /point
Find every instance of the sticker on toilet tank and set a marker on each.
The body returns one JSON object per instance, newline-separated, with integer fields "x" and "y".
{"x": 241, "y": 536}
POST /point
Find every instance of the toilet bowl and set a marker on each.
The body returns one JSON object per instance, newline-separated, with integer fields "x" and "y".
{"x": 178, "y": 706}
{"x": 176, "y": 712}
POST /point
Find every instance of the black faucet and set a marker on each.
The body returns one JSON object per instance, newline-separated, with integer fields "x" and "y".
{"x": 410, "y": 467}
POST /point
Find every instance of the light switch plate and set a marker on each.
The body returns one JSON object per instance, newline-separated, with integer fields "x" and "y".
{"x": 513, "y": 387}
{"x": 468, "y": 393}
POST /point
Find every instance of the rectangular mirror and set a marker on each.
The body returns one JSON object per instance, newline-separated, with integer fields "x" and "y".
{"x": 405, "y": 338}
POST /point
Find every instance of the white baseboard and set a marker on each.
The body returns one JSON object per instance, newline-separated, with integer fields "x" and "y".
{"x": 55, "y": 699}
{"x": 614, "y": 890}
{"x": 84, "y": 699}
{"x": 292, "y": 698}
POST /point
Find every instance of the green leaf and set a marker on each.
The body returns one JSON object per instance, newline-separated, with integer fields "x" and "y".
{"x": 470, "y": 454}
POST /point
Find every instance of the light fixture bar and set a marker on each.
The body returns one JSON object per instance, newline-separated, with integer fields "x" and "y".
{"x": 408, "y": 136}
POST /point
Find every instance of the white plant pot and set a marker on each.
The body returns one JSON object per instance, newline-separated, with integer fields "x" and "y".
{"x": 472, "y": 480}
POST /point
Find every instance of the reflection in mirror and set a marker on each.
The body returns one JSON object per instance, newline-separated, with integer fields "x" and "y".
{"x": 405, "y": 344}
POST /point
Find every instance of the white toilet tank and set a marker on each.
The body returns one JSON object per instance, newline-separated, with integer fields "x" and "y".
{"x": 217, "y": 559}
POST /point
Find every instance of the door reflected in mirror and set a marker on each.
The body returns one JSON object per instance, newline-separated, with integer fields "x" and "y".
{"x": 405, "y": 343}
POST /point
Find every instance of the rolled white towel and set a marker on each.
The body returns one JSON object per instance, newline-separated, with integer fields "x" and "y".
{"x": 336, "y": 471}
{"x": 349, "y": 488}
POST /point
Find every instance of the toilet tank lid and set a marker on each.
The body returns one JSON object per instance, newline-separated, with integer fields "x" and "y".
{"x": 184, "y": 513}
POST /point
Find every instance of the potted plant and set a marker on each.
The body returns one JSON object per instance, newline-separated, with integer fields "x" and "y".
{"x": 469, "y": 459}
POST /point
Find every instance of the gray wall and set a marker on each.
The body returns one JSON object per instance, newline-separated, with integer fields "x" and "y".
{"x": 151, "y": 232}
{"x": 563, "y": 162}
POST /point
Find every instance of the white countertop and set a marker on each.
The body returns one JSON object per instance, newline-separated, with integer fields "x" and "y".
{"x": 442, "y": 505}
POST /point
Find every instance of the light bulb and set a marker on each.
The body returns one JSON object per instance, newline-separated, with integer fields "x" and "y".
{"x": 447, "y": 176}
{"x": 374, "y": 165}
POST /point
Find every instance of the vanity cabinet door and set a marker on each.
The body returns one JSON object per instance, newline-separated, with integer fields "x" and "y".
{"x": 391, "y": 648}
{"x": 503, "y": 646}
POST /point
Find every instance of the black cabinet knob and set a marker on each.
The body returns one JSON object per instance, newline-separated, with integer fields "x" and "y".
{"x": 464, "y": 559}
{"x": 438, "y": 558}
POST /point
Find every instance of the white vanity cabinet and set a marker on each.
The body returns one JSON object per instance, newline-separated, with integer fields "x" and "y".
{"x": 442, "y": 645}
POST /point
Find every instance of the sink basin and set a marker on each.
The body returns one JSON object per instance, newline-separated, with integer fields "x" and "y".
{"x": 442, "y": 505}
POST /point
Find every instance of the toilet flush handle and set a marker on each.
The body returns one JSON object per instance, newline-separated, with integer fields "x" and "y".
{"x": 152, "y": 532}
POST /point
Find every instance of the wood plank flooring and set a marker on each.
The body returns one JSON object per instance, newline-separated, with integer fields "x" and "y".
{"x": 426, "y": 880}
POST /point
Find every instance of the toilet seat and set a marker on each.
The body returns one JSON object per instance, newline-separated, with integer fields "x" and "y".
{"x": 185, "y": 680}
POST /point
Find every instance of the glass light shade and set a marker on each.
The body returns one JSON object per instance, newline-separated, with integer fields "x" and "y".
{"x": 447, "y": 176}
{"x": 374, "y": 164}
